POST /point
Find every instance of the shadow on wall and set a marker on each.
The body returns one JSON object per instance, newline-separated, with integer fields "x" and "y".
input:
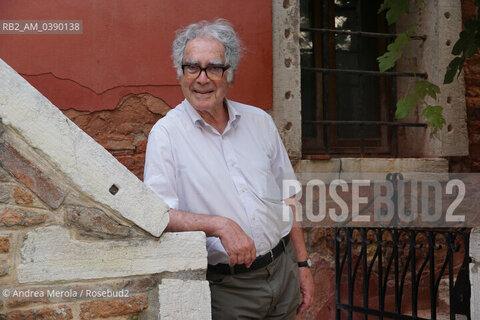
{"x": 124, "y": 130}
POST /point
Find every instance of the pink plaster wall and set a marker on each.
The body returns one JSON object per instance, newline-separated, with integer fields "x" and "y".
{"x": 125, "y": 49}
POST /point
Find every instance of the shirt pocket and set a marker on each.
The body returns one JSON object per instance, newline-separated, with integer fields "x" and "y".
{"x": 263, "y": 181}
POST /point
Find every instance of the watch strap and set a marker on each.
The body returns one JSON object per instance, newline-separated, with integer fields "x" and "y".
{"x": 306, "y": 263}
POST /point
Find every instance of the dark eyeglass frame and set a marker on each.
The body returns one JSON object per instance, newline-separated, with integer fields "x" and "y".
{"x": 223, "y": 67}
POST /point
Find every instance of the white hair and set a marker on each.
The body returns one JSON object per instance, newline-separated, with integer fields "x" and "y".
{"x": 220, "y": 30}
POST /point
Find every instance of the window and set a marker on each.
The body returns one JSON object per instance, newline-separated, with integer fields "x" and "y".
{"x": 347, "y": 105}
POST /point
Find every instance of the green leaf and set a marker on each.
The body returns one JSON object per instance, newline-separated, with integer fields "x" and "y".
{"x": 454, "y": 66}
{"x": 434, "y": 117}
{"x": 406, "y": 105}
{"x": 394, "y": 9}
{"x": 466, "y": 46}
{"x": 394, "y": 51}
{"x": 424, "y": 88}
{"x": 461, "y": 43}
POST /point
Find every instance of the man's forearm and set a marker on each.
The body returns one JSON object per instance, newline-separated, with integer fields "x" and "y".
{"x": 296, "y": 236}
{"x": 187, "y": 221}
{"x": 238, "y": 245}
{"x": 306, "y": 279}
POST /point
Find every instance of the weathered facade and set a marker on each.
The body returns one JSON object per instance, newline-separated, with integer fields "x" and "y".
{"x": 121, "y": 123}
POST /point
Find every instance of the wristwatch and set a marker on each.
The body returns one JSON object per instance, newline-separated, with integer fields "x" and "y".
{"x": 306, "y": 263}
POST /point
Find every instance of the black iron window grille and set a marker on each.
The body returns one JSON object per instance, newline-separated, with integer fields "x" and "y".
{"x": 347, "y": 106}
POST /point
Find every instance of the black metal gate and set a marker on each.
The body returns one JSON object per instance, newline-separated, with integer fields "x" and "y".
{"x": 403, "y": 265}
{"x": 401, "y": 273}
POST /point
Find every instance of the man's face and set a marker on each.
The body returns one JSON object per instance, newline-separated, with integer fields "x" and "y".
{"x": 203, "y": 93}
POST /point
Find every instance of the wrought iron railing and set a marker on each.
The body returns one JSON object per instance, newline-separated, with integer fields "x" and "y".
{"x": 395, "y": 259}
{"x": 401, "y": 273}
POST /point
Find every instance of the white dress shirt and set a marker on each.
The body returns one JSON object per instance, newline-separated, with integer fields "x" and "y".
{"x": 237, "y": 174}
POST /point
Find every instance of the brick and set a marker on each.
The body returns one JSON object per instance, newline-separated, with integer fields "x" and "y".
{"x": 472, "y": 102}
{"x": 94, "y": 222}
{"x": 141, "y": 146}
{"x": 32, "y": 177}
{"x": 4, "y": 193}
{"x": 11, "y": 217}
{"x": 112, "y": 308}
{"x": 117, "y": 143}
{"x": 460, "y": 164}
{"x": 474, "y": 125}
{"x": 22, "y": 196}
{"x": 472, "y": 68}
{"x": 472, "y": 89}
{"x": 4, "y": 244}
{"x": 475, "y": 138}
{"x": 468, "y": 10}
{"x": 62, "y": 312}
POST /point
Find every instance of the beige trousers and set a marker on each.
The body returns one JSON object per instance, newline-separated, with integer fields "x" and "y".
{"x": 272, "y": 292}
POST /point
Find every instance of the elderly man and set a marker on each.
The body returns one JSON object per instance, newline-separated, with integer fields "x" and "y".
{"x": 219, "y": 165}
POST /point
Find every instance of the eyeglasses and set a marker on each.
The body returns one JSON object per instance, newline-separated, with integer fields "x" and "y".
{"x": 213, "y": 72}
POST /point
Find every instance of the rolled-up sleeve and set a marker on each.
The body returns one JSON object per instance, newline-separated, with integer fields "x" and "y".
{"x": 159, "y": 173}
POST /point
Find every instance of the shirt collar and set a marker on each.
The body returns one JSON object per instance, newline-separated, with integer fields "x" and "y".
{"x": 233, "y": 114}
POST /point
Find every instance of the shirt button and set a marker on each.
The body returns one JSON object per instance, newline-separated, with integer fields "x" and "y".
{"x": 243, "y": 189}
{"x": 232, "y": 163}
{"x": 223, "y": 137}
{"x": 253, "y": 218}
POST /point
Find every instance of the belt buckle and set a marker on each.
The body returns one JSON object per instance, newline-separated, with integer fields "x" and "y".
{"x": 271, "y": 255}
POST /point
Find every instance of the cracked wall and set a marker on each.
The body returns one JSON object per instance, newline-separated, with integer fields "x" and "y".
{"x": 123, "y": 131}
{"x": 120, "y": 67}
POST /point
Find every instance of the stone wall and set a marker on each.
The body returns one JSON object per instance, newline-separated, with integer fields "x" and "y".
{"x": 80, "y": 235}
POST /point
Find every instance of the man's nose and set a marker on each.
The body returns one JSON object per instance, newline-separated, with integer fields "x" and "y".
{"x": 202, "y": 77}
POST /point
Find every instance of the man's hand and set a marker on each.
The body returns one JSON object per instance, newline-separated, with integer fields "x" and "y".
{"x": 240, "y": 248}
{"x": 306, "y": 279}
{"x": 306, "y": 288}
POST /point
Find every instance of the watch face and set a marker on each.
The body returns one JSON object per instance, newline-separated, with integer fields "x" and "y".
{"x": 309, "y": 262}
